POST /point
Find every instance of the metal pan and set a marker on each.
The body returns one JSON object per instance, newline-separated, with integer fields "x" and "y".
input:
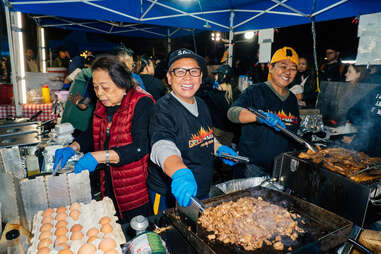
{"x": 324, "y": 230}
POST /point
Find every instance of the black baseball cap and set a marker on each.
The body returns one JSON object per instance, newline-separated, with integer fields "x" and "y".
{"x": 224, "y": 69}
{"x": 185, "y": 53}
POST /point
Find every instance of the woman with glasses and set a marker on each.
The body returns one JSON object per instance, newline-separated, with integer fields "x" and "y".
{"x": 182, "y": 137}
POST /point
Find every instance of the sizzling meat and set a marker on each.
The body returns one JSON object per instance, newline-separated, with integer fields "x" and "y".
{"x": 344, "y": 161}
{"x": 250, "y": 222}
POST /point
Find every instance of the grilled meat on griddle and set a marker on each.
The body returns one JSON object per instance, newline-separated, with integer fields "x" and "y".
{"x": 251, "y": 222}
{"x": 344, "y": 161}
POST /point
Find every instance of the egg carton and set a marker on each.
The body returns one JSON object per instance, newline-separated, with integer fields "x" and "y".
{"x": 12, "y": 208}
{"x": 53, "y": 191}
{"x": 88, "y": 218}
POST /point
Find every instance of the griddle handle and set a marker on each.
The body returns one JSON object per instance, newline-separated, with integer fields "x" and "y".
{"x": 359, "y": 246}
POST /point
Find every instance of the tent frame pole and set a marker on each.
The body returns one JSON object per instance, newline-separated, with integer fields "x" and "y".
{"x": 12, "y": 59}
{"x": 41, "y": 48}
{"x": 231, "y": 37}
{"x": 169, "y": 41}
{"x": 188, "y": 14}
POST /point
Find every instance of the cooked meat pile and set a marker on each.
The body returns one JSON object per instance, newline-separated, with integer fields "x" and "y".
{"x": 345, "y": 162}
{"x": 250, "y": 222}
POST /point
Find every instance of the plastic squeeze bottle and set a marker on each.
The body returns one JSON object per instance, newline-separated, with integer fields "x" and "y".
{"x": 45, "y": 93}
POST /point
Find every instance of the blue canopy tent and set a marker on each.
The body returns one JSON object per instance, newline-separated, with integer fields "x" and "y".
{"x": 111, "y": 27}
{"x": 202, "y": 14}
{"x": 222, "y": 15}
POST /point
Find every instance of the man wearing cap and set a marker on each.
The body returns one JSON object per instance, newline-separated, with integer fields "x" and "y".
{"x": 333, "y": 69}
{"x": 182, "y": 137}
{"x": 259, "y": 142}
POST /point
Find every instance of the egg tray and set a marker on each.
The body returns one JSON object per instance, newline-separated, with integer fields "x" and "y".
{"x": 90, "y": 215}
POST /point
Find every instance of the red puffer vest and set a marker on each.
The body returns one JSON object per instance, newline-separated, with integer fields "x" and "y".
{"x": 128, "y": 181}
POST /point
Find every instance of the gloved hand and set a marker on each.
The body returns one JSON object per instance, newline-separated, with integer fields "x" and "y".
{"x": 271, "y": 120}
{"x": 225, "y": 149}
{"x": 87, "y": 162}
{"x": 183, "y": 186}
{"x": 65, "y": 154}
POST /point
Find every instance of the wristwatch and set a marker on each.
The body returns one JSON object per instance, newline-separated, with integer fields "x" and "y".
{"x": 107, "y": 157}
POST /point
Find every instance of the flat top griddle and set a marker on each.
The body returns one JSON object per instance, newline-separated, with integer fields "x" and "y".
{"x": 324, "y": 230}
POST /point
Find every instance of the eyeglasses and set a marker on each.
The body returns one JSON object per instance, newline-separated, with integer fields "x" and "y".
{"x": 330, "y": 53}
{"x": 181, "y": 72}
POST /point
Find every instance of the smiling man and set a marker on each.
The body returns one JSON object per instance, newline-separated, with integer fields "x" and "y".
{"x": 182, "y": 137}
{"x": 260, "y": 140}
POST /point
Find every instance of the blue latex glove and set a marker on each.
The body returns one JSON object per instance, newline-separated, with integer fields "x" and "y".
{"x": 225, "y": 149}
{"x": 215, "y": 84}
{"x": 271, "y": 120}
{"x": 65, "y": 154}
{"x": 87, "y": 162}
{"x": 183, "y": 186}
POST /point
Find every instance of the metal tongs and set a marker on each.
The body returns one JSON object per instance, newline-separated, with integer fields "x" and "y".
{"x": 196, "y": 202}
{"x": 58, "y": 168}
{"x": 236, "y": 158}
{"x": 285, "y": 131}
{"x": 374, "y": 166}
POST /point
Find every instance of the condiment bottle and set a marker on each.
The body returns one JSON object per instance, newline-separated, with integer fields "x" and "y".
{"x": 139, "y": 224}
{"x": 32, "y": 165}
{"x": 45, "y": 93}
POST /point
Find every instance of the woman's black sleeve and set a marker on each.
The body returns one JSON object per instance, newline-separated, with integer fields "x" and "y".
{"x": 139, "y": 131}
{"x": 85, "y": 139}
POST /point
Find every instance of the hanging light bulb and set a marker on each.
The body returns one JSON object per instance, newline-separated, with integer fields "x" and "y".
{"x": 249, "y": 35}
{"x": 218, "y": 36}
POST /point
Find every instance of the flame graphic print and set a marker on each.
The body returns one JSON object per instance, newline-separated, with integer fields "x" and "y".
{"x": 288, "y": 119}
{"x": 202, "y": 137}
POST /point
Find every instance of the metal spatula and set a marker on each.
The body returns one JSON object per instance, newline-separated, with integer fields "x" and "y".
{"x": 193, "y": 210}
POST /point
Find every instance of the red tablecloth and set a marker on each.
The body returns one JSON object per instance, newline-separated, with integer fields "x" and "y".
{"x": 28, "y": 110}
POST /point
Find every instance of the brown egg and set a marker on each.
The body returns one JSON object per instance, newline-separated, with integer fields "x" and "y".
{"x": 61, "y": 216}
{"x": 104, "y": 220}
{"x": 113, "y": 251}
{"x": 75, "y": 214}
{"x": 61, "y": 239}
{"x": 61, "y": 209}
{"x": 60, "y": 231}
{"x": 63, "y": 245}
{"x": 47, "y": 212}
{"x": 44, "y": 243}
{"x": 92, "y": 232}
{"x": 87, "y": 248}
{"x": 107, "y": 244}
{"x": 65, "y": 251}
{"x": 43, "y": 250}
{"x": 76, "y": 227}
{"x": 47, "y": 219}
{"x": 61, "y": 223}
{"x": 45, "y": 234}
{"x": 91, "y": 239}
{"x": 106, "y": 228}
{"x": 46, "y": 227}
{"x": 77, "y": 235}
{"x": 75, "y": 206}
